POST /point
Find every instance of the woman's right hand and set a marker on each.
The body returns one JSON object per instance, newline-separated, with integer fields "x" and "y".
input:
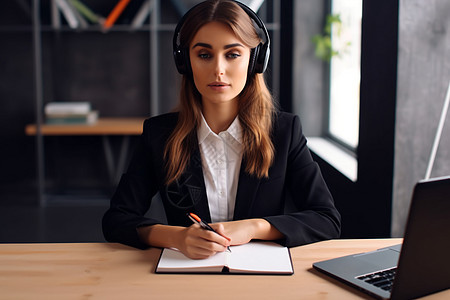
{"x": 198, "y": 243}
{"x": 194, "y": 241}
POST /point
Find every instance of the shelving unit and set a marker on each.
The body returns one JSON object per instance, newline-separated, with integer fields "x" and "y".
{"x": 60, "y": 52}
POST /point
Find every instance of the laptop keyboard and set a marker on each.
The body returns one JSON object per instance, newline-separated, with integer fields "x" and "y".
{"x": 382, "y": 279}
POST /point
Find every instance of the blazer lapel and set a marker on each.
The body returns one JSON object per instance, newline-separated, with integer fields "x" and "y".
{"x": 246, "y": 193}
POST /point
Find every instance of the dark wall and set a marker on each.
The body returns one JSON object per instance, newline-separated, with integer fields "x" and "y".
{"x": 110, "y": 70}
{"x": 16, "y": 95}
{"x": 286, "y": 49}
{"x": 17, "y": 153}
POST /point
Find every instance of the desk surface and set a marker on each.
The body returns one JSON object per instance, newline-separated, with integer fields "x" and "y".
{"x": 104, "y": 126}
{"x": 114, "y": 271}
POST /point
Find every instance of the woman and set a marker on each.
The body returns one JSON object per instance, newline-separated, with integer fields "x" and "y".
{"x": 227, "y": 155}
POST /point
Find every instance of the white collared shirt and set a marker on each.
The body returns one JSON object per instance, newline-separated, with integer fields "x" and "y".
{"x": 221, "y": 162}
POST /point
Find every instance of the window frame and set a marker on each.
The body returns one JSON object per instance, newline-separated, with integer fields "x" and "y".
{"x": 327, "y": 132}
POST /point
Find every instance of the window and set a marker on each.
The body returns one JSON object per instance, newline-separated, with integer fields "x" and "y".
{"x": 343, "y": 123}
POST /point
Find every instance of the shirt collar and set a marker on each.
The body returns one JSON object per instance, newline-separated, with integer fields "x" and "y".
{"x": 235, "y": 130}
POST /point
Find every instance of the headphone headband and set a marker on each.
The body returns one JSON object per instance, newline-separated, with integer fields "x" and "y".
{"x": 259, "y": 56}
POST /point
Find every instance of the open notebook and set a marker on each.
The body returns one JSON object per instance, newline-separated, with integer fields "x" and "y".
{"x": 251, "y": 258}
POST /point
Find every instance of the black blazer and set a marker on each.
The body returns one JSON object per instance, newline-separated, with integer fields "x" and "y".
{"x": 294, "y": 198}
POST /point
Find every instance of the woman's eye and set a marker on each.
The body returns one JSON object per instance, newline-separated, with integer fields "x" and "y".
{"x": 204, "y": 55}
{"x": 233, "y": 55}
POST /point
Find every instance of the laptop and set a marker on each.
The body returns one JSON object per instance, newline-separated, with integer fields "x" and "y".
{"x": 420, "y": 266}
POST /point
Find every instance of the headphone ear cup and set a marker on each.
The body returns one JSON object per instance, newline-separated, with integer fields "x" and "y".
{"x": 252, "y": 62}
{"x": 182, "y": 61}
{"x": 262, "y": 59}
{"x": 187, "y": 62}
{"x": 179, "y": 61}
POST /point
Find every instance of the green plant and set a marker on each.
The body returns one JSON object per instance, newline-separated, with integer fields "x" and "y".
{"x": 322, "y": 42}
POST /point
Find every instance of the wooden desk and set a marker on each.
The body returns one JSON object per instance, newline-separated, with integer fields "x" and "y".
{"x": 114, "y": 271}
{"x": 104, "y": 127}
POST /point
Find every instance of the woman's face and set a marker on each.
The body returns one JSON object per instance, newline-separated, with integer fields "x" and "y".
{"x": 219, "y": 62}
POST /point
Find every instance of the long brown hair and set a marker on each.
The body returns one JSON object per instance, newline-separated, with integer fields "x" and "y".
{"x": 256, "y": 107}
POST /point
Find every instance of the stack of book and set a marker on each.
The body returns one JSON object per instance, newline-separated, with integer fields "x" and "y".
{"x": 70, "y": 113}
{"x": 79, "y": 15}
{"x": 135, "y": 13}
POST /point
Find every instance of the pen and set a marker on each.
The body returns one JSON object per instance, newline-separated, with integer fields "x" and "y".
{"x": 196, "y": 219}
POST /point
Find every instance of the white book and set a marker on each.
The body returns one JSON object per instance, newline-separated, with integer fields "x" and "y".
{"x": 81, "y": 21}
{"x": 71, "y": 119}
{"x": 251, "y": 258}
{"x": 142, "y": 14}
{"x": 68, "y": 13}
{"x": 64, "y": 108}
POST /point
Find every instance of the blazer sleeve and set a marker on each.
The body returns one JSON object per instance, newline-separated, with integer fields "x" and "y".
{"x": 135, "y": 191}
{"x": 314, "y": 216}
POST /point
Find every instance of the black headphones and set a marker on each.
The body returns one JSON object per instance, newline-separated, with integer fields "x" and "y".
{"x": 259, "y": 56}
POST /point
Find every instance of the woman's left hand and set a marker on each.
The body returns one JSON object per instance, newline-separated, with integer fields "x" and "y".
{"x": 243, "y": 231}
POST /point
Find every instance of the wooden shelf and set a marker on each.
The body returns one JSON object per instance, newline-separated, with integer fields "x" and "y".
{"x": 104, "y": 126}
